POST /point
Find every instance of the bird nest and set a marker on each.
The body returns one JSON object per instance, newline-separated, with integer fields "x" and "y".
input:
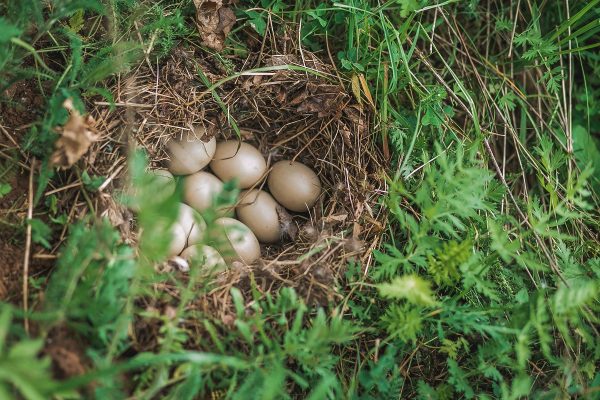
{"x": 290, "y": 106}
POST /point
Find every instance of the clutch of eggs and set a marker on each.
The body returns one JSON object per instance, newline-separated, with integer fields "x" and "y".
{"x": 291, "y": 184}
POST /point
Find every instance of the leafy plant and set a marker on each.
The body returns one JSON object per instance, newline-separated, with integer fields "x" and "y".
{"x": 21, "y": 371}
{"x": 5, "y": 189}
{"x": 91, "y": 283}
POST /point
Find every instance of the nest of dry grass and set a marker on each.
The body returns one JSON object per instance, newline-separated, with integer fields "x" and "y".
{"x": 305, "y": 115}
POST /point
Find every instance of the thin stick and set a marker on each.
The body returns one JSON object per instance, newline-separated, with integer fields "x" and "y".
{"x": 569, "y": 110}
{"x": 28, "y": 248}
{"x": 514, "y": 29}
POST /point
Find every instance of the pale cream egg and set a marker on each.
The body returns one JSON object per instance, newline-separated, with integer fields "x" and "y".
{"x": 239, "y": 160}
{"x": 190, "y": 153}
{"x": 206, "y": 256}
{"x": 294, "y": 185}
{"x": 240, "y": 244}
{"x": 259, "y": 211}
{"x": 201, "y": 189}
{"x": 178, "y": 240}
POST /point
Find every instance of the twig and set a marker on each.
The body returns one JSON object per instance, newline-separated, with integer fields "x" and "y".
{"x": 331, "y": 59}
{"x": 121, "y": 104}
{"x": 28, "y": 247}
{"x": 569, "y": 108}
{"x": 67, "y": 187}
{"x": 514, "y": 29}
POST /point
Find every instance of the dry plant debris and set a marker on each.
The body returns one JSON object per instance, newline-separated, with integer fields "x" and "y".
{"x": 214, "y": 19}
{"x": 77, "y": 135}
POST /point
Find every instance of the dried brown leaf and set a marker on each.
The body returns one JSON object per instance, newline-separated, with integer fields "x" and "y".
{"x": 77, "y": 135}
{"x": 356, "y": 88}
{"x": 323, "y": 100}
{"x": 281, "y": 95}
{"x": 299, "y": 99}
{"x": 353, "y": 245}
{"x": 214, "y": 20}
{"x": 356, "y": 115}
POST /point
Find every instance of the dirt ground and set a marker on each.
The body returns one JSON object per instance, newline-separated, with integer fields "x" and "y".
{"x": 16, "y": 116}
{"x": 11, "y": 244}
{"x": 65, "y": 350}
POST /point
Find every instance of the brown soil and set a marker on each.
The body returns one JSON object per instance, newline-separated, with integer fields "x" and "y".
{"x": 67, "y": 352}
{"x": 19, "y": 107}
{"x": 22, "y": 104}
{"x": 12, "y": 239}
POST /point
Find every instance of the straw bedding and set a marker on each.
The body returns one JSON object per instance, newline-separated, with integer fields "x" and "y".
{"x": 293, "y": 106}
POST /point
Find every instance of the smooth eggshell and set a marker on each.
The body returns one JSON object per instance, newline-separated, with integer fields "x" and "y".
{"x": 164, "y": 177}
{"x": 239, "y": 160}
{"x": 190, "y": 153}
{"x": 210, "y": 258}
{"x": 162, "y": 186}
{"x": 258, "y": 210}
{"x": 185, "y": 217}
{"x": 178, "y": 240}
{"x": 294, "y": 185}
{"x": 196, "y": 235}
{"x": 192, "y": 223}
{"x": 165, "y": 182}
{"x": 200, "y": 190}
{"x": 241, "y": 240}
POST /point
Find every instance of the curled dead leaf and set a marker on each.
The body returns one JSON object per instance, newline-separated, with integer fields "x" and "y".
{"x": 214, "y": 20}
{"x": 75, "y": 139}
